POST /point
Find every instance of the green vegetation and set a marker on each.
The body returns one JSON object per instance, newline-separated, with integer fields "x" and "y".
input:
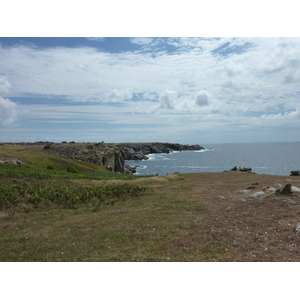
{"x": 72, "y": 169}
{"x": 27, "y": 172}
{"x": 50, "y": 214}
{"x": 39, "y": 194}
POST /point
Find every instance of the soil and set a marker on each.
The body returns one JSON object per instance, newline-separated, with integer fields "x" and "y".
{"x": 263, "y": 229}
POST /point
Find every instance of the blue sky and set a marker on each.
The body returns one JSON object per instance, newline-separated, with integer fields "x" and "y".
{"x": 187, "y": 90}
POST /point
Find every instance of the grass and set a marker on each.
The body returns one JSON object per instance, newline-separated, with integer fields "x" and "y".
{"x": 70, "y": 196}
{"x": 55, "y": 215}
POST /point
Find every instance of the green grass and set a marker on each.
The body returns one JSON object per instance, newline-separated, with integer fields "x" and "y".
{"x": 36, "y": 157}
{"x": 71, "y": 196}
{"x": 10, "y": 171}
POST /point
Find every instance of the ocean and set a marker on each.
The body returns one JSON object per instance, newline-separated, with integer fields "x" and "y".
{"x": 263, "y": 158}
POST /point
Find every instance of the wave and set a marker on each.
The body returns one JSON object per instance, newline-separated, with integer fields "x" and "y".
{"x": 204, "y": 150}
{"x": 139, "y": 169}
{"x": 158, "y": 156}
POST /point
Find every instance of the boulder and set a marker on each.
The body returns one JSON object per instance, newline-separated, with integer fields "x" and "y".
{"x": 244, "y": 169}
{"x": 258, "y": 195}
{"x": 297, "y": 229}
{"x": 287, "y": 189}
{"x": 129, "y": 169}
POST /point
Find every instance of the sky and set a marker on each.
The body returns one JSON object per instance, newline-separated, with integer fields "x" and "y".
{"x": 192, "y": 76}
{"x": 187, "y": 90}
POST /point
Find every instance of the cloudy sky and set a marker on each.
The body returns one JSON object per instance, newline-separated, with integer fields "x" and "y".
{"x": 186, "y": 90}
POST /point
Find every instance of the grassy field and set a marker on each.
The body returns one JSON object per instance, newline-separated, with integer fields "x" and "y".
{"x": 96, "y": 215}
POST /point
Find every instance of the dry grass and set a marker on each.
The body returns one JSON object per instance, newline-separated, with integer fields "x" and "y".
{"x": 187, "y": 217}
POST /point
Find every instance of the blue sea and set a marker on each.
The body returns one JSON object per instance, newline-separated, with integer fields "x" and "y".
{"x": 263, "y": 158}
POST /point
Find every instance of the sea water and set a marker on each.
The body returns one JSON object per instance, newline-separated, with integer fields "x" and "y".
{"x": 263, "y": 158}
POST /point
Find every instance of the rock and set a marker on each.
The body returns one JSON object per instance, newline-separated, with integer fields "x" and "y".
{"x": 268, "y": 188}
{"x": 129, "y": 170}
{"x": 47, "y": 146}
{"x": 295, "y": 173}
{"x": 290, "y": 201}
{"x": 297, "y": 229}
{"x": 112, "y": 156}
{"x": 295, "y": 189}
{"x": 14, "y": 162}
{"x": 247, "y": 192}
{"x": 244, "y": 169}
{"x": 252, "y": 194}
{"x": 101, "y": 154}
{"x": 287, "y": 189}
{"x": 258, "y": 195}
{"x": 139, "y": 151}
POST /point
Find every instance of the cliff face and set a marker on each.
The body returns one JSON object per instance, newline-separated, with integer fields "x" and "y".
{"x": 138, "y": 151}
{"x": 112, "y": 156}
{"x": 99, "y": 153}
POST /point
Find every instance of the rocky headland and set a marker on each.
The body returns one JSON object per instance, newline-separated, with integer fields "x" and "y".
{"x": 113, "y": 155}
{"x": 139, "y": 151}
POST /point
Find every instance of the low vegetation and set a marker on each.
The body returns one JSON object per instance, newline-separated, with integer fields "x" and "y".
{"x": 50, "y": 214}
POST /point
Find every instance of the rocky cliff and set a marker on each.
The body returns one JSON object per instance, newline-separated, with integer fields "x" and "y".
{"x": 98, "y": 153}
{"x": 138, "y": 151}
{"x": 112, "y": 156}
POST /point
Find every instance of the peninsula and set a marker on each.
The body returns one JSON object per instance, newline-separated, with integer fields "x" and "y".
{"x": 113, "y": 155}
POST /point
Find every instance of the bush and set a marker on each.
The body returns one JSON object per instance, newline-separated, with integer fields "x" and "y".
{"x": 50, "y": 167}
{"x": 72, "y": 169}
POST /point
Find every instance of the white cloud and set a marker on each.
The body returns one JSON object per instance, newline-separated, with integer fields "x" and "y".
{"x": 119, "y": 95}
{"x": 167, "y": 99}
{"x": 142, "y": 40}
{"x": 267, "y": 69}
{"x": 149, "y": 96}
{"x": 8, "y": 111}
{"x": 4, "y": 85}
{"x": 191, "y": 83}
{"x": 202, "y": 98}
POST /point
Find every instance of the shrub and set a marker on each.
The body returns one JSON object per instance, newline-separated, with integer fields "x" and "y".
{"x": 72, "y": 169}
{"x": 50, "y": 167}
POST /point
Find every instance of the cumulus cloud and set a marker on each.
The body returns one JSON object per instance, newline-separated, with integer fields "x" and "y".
{"x": 116, "y": 95}
{"x": 202, "y": 98}
{"x": 8, "y": 111}
{"x": 149, "y": 96}
{"x": 4, "y": 85}
{"x": 141, "y": 40}
{"x": 167, "y": 99}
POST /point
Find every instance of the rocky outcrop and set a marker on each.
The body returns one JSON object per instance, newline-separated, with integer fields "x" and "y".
{"x": 241, "y": 169}
{"x": 99, "y": 153}
{"x": 139, "y": 151}
{"x": 129, "y": 170}
{"x": 112, "y": 156}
